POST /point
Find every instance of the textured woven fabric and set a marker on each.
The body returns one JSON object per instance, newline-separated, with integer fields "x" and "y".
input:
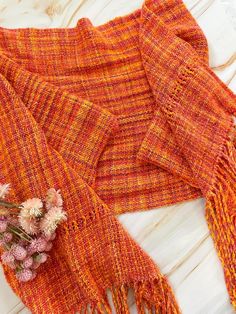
{"x": 121, "y": 117}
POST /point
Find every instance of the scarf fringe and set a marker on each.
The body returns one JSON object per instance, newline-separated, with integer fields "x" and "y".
{"x": 155, "y": 297}
{"x": 102, "y": 307}
{"x": 152, "y": 297}
{"x": 221, "y": 215}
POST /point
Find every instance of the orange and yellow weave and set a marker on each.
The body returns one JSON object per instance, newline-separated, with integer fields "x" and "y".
{"x": 121, "y": 117}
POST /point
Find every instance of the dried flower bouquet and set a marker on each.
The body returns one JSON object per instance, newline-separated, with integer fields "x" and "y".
{"x": 27, "y": 231}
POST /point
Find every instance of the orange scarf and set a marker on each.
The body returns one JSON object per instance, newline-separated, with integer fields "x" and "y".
{"x": 121, "y": 117}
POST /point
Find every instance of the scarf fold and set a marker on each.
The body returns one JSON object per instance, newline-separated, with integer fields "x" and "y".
{"x": 53, "y": 136}
{"x": 93, "y": 252}
{"x": 194, "y": 111}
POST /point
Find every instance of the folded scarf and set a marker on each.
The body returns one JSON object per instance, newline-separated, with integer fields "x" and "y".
{"x": 120, "y": 117}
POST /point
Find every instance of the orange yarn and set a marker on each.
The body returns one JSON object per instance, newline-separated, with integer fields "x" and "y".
{"x": 120, "y": 117}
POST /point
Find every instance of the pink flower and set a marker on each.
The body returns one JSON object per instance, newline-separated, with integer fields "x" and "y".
{"x": 53, "y": 198}
{"x": 7, "y": 257}
{"x": 32, "y": 208}
{"x": 7, "y": 237}
{"x": 4, "y": 189}
{"x": 38, "y": 245}
{"x": 18, "y": 252}
{"x": 51, "y": 220}
{"x": 3, "y": 225}
{"x": 23, "y": 242}
{"x": 24, "y": 275}
{"x": 29, "y": 224}
{"x": 41, "y": 258}
{"x": 28, "y": 262}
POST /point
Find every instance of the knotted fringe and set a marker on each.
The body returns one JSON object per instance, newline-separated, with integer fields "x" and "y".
{"x": 155, "y": 297}
{"x": 221, "y": 215}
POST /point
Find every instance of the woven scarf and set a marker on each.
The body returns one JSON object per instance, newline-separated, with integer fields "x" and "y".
{"x": 120, "y": 117}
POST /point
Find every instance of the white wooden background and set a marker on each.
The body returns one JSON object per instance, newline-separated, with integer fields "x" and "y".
{"x": 176, "y": 237}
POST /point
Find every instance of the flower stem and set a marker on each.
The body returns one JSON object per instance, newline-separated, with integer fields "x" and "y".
{"x": 22, "y": 231}
{"x": 6, "y": 212}
{"x": 21, "y": 235}
{"x": 8, "y": 204}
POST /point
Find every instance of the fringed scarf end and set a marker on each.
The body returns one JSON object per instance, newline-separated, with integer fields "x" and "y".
{"x": 150, "y": 297}
{"x": 221, "y": 215}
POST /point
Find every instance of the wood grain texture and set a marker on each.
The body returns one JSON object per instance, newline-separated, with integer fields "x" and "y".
{"x": 176, "y": 237}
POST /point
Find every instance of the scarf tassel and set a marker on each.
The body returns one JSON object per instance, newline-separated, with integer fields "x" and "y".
{"x": 150, "y": 298}
{"x": 221, "y": 215}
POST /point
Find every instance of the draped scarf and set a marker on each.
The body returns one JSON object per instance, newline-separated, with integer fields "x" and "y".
{"x": 120, "y": 117}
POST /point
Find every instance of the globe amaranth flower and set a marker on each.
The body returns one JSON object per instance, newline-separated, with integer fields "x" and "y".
{"x": 27, "y": 262}
{"x": 38, "y": 245}
{"x": 3, "y": 225}
{"x": 19, "y": 252}
{"x": 24, "y": 275}
{"x": 41, "y": 258}
{"x": 7, "y": 237}
{"x": 7, "y": 257}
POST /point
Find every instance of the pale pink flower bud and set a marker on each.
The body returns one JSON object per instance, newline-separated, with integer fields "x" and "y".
{"x": 44, "y": 258}
{"x": 7, "y": 237}
{"x": 7, "y": 257}
{"x": 28, "y": 262}
{"x": 53, "y": 199}
{"x": 24, "y": 275}
{"x": 41, "y": 258}
{"x": 3, "y": 225}
{"x": 48, "y": 247}
{"x": 4, "y": 189}
{"x": 51, "y": 220}
{"x": 31, "y": 250}
{"x": 38, "y": 245}
{"x": 18, "y": 252}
